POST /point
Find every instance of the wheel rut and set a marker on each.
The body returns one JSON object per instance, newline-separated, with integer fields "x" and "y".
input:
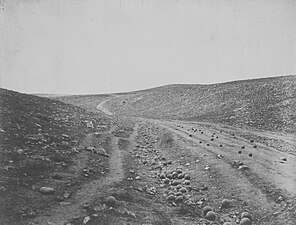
{"x": 62, "y": 214}
{"x": 255, "y": 188}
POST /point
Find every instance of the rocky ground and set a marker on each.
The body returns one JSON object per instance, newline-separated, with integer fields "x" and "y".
{"x": 77, "y": 166}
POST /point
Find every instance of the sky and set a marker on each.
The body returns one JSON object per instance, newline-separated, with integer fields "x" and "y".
{"x": 107, "y": 46}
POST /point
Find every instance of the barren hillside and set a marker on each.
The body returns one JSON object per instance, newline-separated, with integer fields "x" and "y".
{"x": 41, "y": 145}
{"x": 268, "y": 103}
{"x": 177, "y": 154}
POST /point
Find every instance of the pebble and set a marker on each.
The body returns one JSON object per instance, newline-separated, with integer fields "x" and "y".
{"x": 243, "y": 167}
{"x": 20, "y": 151}
{"x": 86, "y": 219}
{"x": 46, "y": 190}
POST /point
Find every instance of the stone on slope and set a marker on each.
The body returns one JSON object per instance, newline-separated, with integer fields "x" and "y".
{"x": 46, "y": 190}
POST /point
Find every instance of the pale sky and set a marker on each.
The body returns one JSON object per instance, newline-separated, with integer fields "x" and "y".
{"x": 105, "y": 46}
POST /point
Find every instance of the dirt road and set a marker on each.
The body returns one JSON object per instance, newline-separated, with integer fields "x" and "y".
{"x": 101, "y": 107}
{"x": 61, "y": 214}
{"x": 221, "y": 163}
{"x": 266, "y": 183}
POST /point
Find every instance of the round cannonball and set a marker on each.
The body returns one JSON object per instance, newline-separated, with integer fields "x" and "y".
{"x": 111, "y": 201}
{"x": 187, "y": 177}
{"x": 171, "y": 198}
{"x": 179, "y": 199}
{"x": 206, "y": 209}
{"x": 211, "y": 216}
{"x": 246, "y": 215}
{"x": 183, "y": 190}
{"x": 245, "y": 221}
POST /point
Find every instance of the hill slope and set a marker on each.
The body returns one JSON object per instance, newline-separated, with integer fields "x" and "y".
{"x": 268, "y": 103}
{"x": 158, "y": 171}
{"x": 41, "y": 144}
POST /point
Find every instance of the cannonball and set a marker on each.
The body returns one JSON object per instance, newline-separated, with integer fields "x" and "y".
{"x": 246, "y": 215}
{"x": 171, "y": 198}
{"x": 110, "y": 201}
{"x": 187, "y": 182}
{"x": 245, "y": 221}
{"x": 166, "y": 180}
{"x": 187, "y": 177}
{"x": 211, "y": 216}
{"x": 206, "y": 209}
{"x": 183, "y": 190}
{"x": 179, "y": 198}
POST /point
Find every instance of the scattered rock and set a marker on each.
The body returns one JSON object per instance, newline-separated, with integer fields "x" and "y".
{"x": 243, "y": 167}
{"x": 66, "y": 194}
{"x": 20, "y": 151}
{"x": 225, "y": 204}
{"x": 64, "y": 136}
{"x": 86, "y": 219}
{"x": 280, "y": 199}
{"x": 46, "y": 190}
{"x": 89, "y": 124}
{"x": 151, "y": 191}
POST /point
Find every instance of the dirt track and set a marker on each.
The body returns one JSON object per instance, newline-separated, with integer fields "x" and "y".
{"x": 101, "y": 107}
{"x": 60, "y": 215}
{"x": 266, "y": 188}
{"x": 271, "y": 174}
